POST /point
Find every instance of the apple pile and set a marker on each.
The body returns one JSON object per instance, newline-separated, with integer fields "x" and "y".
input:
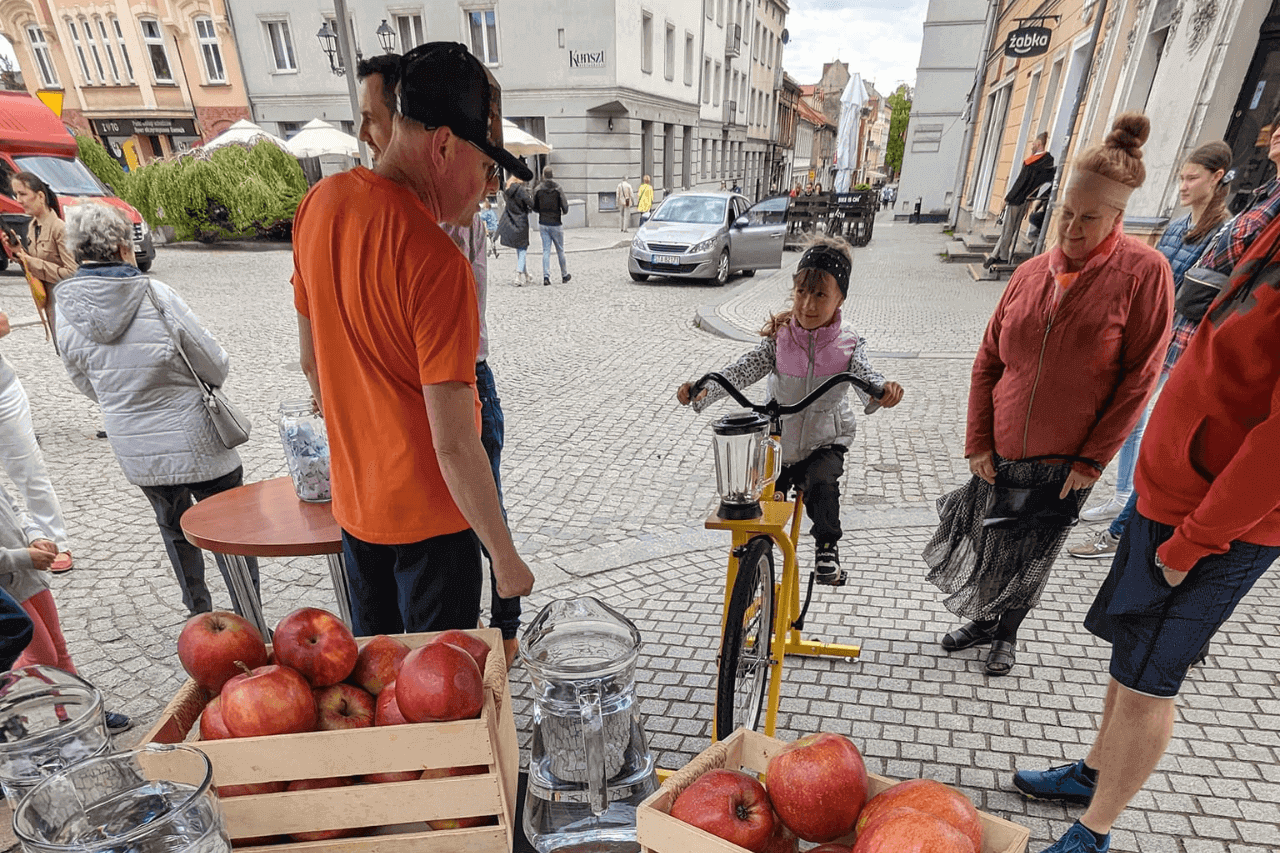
{"x": 817, "y": 792}
{"x": 318, "y": 679}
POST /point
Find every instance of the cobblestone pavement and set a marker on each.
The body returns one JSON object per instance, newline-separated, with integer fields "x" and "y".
{"x": 607, "y": 481}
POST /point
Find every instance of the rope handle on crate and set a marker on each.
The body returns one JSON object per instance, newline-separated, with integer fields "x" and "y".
{"x": 495, "y": 676}
{"x": 712, "y": 758}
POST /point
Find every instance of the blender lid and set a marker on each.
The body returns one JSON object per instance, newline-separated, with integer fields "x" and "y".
{"x": 740, "y": 423}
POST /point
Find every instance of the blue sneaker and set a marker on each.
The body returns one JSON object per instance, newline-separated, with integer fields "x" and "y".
{"x": 1079, "y": 839}
{"x": 1067, "y": 783}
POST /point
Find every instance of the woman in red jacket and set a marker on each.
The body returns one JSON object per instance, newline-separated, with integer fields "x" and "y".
{"x": 1066, "y": 365}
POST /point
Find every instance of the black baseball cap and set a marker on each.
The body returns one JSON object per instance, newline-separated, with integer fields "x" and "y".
{"x": 442, "y": 84}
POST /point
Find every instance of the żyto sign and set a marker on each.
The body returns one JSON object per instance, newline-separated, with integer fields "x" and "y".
{"x": 1028, "y": 41}
{"x": 145, "y": 126}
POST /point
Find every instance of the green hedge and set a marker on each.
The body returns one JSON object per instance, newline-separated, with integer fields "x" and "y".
{"x": 233, "y": 192}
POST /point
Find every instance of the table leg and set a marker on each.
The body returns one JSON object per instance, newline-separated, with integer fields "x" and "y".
{"x": 244, "y": 598}
{"x": 338, "y": 571}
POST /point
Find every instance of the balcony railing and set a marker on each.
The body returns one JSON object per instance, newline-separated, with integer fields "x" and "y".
{"x": 733, "y": 40}
{"x": 730, "y": 112}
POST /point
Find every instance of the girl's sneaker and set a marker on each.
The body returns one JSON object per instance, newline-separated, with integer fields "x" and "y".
{"x": 117, "y": 723}
{"x": 826, "y": 564}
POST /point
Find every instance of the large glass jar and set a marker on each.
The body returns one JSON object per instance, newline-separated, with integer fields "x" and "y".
{"x": 306, "y": 449}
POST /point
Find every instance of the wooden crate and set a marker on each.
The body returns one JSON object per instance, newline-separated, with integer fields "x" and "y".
{"x": 659, "y": 832}
{"x": 489, "y": 740}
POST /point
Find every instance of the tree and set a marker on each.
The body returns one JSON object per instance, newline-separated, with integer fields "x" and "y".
{"x": 900, "y": 102}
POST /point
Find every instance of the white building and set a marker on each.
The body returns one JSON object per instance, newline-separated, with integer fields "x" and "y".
{"x": 953, "y": 31}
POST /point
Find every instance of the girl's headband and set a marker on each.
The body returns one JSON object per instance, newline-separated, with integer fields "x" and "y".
{"x": 829, "y": 260}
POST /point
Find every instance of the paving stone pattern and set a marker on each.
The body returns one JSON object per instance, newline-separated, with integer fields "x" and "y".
{"x": 607, "y": 481}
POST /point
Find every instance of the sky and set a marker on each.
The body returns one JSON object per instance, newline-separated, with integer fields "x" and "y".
{"x": 880, "y": 39}
{"x": 6, "y": 50}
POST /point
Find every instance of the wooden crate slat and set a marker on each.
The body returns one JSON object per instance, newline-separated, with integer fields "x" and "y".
{"x": 485, "y": 839}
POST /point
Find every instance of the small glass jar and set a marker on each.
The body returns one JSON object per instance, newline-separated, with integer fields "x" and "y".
{"x": 306, "y": 450}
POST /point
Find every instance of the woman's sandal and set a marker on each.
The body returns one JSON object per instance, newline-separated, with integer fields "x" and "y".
{"x": 1002, "y": 657}
{"x": 967, "y": 636}
{"x": 62, "y": 563}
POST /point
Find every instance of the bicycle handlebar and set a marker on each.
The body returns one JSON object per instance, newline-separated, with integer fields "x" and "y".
{"x": 773, "y": 409}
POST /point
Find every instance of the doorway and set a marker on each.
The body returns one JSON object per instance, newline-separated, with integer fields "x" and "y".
{"x": 1257, "y": 105}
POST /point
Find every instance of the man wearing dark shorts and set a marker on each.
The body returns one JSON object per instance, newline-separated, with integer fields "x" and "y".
{"x": 1207, "y": 527}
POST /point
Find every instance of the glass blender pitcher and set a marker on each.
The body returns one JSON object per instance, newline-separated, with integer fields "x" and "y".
{"x": 589, "y": 763}
{"x": 744, "y": 466}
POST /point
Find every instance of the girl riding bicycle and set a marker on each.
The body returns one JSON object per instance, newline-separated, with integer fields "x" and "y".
{"x": 801, "y": 347}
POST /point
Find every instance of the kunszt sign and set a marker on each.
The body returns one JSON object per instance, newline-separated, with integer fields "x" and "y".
{"x": 1028, "y": 41}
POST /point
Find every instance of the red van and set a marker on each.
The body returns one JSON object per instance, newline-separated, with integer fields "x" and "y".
{"x": 33, "y": 139}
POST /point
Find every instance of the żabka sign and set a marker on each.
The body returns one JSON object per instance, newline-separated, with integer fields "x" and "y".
{"x": 1028, "y": 41}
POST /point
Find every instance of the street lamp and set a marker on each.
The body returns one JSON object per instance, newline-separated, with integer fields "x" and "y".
{"x": 386, "y": 37}
{"x": 329, "y": 44}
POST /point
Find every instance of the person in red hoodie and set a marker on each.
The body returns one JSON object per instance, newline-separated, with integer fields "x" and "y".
{"x": 1206, "y": 529}
{"x": 1067, "y": 362}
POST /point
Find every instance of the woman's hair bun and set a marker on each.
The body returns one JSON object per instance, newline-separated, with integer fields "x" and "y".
{"x": 1129, "y": 131}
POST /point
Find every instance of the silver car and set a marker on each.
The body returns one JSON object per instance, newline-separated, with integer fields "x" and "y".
{"x": 709, "y": 235}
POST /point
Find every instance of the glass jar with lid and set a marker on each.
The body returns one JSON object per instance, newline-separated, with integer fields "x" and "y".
{"x": 306, "y": 449}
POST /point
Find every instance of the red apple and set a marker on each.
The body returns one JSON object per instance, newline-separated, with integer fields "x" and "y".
{"x": 322, "y": 834}
{"x": 250, "y": 789}
{"x": 270, "y": 700}
{"x": 212, "y": 645}
{"x": 728, "y": 804}
{"x": 818, "y": 786}
{"x": 469, "y": 643}
{"x": 445, "y": 772}
{"x": 212, "y": 726}
{"x": 439, "y": 682}
{"x": 913, "y": 832}
{"x": 317, "y": 644}
{"x": 343, "y": 706}
{"x": 928, "y": 796}
{"x": 387, "y": 711}
{"x": 378, "y": 663}
{"x": 783, "y": 840}
{"x": 395, "y": 776}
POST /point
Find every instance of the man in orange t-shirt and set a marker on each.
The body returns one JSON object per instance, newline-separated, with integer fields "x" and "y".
{"x": 388, "y": 328}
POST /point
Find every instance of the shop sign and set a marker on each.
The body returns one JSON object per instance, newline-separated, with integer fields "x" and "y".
{"x": 145, "y": 126}
{"x": 587, "y": 58}
{"x": 1028, "y": 41}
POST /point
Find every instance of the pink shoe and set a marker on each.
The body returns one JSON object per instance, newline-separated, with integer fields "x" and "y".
{"x": 62, "y": 563}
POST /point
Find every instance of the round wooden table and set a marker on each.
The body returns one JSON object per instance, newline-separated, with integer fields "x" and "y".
{"x": 266, "y": 519}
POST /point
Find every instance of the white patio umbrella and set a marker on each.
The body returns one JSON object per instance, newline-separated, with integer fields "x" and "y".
{"x": 520, "y": 143}
{"x": 851, "y": 101}
{"x": 318, "y": 137}
{"x": 243, "y": 131}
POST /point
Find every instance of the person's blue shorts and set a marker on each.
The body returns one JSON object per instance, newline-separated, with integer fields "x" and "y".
{"x": 1156, "y": 631}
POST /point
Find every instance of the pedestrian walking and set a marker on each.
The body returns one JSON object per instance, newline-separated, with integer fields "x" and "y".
{"x": 23, "y": 460}
{"x": 800, "y": 348}
{"x": 118, "y": 345}
{"x": 416, "y": 504}
{"x": 1206, "y": 529}
{"x": 1037, "y": 170}
{"x": 644, "y": 200}
{"x": 550, "y": 204}
{"x": 513, "y": 227}
{"x": 378, "y": 77}
{"x": 45, "y": 257}
{"x": 625, "y": 198}
{"x": 489, "y": 218}
{"x": 1066, "y": 365}
{"x": 1202, "y": 187}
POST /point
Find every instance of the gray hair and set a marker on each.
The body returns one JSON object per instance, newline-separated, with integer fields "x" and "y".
{"x": 96, "y": 232}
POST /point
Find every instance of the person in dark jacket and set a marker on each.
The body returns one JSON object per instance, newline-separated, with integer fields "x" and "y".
{"x": 549, "y": 202}
{"x": 513, "y": 227}
{"x": 1037, "y": 170}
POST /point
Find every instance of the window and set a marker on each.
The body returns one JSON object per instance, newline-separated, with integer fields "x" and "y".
{"x": 484, "y": 35}
{"x": 410, "y": 29}
{"x": 106, "y": 47}
{"x": 715, "y": 95}
{"x": 153, "y": 38}
{"x": 669, "y": 58}
{"x": 706, "y": 79}
{"x": 210, "y": 52}
{"x": 124, "y": 51}
{"x": 688, "y": 58}
{"x": 646, "y": 42}
{"x": 75, "y": 41}
{"x": 709, "y": 7}
{"x": 92, "y": 41}
{"x": 288, "y": 129}
{"x": 281, "y": 45}
{"x": 44, "y": 61}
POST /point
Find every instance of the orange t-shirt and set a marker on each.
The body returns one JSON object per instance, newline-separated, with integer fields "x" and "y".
{"x": 392, "y": 305}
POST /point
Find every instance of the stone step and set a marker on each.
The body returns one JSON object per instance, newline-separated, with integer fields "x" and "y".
{"x": 981, "y": 242}
{"x": 958, "y": 252}
{"x": 996, "y": 273}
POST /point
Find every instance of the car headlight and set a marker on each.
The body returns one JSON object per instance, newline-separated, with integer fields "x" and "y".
{"x": 704, "y": 246}
{"x": 639, "y": 245}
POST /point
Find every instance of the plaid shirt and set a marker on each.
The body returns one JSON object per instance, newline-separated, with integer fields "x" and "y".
{"x": 1236, "y": 240}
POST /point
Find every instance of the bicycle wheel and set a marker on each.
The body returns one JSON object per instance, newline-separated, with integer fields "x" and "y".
{"x": 745, "y": 649}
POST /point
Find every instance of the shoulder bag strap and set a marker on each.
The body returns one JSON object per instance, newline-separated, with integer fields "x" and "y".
{"x": 177, "y": 340}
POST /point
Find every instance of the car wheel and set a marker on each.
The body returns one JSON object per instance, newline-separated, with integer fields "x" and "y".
{"x": 143, "y": 266}
{"x": 747, "y": 273}
{"x": 639, "y": 276}
{"x": 722, "y": 268}
{"x": 4, "y": 263}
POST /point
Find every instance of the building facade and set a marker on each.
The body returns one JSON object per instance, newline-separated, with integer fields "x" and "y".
{"x": 148, "y": 79}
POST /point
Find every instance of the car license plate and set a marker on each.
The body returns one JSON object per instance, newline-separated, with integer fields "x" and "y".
{"x": 669, "y": 260}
